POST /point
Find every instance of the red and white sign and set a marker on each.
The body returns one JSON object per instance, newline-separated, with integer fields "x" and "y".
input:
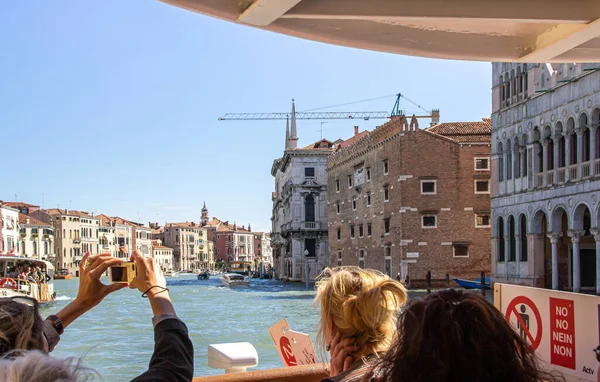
{"x": 562, "y": 327}
{"x": 295, "y": 348}
{"x": 562, "y": 332}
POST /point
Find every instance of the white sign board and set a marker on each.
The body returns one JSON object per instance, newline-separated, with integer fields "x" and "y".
{"x": 412, "y": 254}
{"x": 295, "y": 348}
{"x": 562, "y": 327}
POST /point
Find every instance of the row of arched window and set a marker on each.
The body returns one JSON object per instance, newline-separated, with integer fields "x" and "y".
{"x": 513, "y": 85}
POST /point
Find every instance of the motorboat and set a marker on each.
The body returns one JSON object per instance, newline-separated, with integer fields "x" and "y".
{"x": 234, "y": 279}
{"x": 43, "y": 292}
{"x": 469, "y": 284}
{"x": 203, "y": 276}
{"x": 171, "y": 274}
{"x": 62, "y": 274}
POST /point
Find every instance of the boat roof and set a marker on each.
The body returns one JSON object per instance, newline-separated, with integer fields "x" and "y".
{"x": 48, "y": 264}
{"x": 485, "y": 30}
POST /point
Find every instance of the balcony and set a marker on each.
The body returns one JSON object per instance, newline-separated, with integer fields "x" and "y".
{"x": 308, "y": 226}
{"x": 572, "y": 172}
{"x": 597, "y": 167}
{"x": 539, "y": 179}
{"x": 550, "y": 177}
{"x": 585, "y": 170}
{"x": 77, "y": 240}
{"x": 562, "y": 172}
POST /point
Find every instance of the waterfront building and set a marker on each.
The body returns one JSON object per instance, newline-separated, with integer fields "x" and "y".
{"x": 232, "y": 242}
{"x": 263, "y": 250}
{"x": 106, "y": 237}
{"x": 123, "y": 235}
{"x": 546, "y": 175}
{"x": 188, "y": 240}
{"x": 9, "y": 229}
{"x": 405, "y": 200}
{"x": 67, "y": 235}
{"x": 142, "y": 239}
{"x": 24, "y": 208}
{"x": 163, "y": 255}
{"x": 89, "y": 233}
{"x": 36, "y": 239}
{"x": 299, "y": 217}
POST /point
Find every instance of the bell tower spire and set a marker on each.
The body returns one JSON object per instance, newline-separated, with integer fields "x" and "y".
{"x": 293, "y": 134}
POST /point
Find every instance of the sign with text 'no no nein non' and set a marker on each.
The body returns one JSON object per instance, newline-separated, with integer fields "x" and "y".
{"x": 562, "y": 327}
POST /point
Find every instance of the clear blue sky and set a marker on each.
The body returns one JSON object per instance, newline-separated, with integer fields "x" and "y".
{"x": 112, "y": 105}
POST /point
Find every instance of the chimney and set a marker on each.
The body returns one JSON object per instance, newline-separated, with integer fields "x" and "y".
{"x": 355, "y": 131}
{"x": 435, "y": 117}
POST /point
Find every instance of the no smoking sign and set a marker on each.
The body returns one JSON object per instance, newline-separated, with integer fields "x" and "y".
{"x": 525, "y": 317}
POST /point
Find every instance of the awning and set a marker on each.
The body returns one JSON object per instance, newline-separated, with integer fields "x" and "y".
{"x": 479, "y": 30}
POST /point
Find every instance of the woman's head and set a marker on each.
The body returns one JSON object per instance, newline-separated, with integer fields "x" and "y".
{"x": 359, "y": 303}
{"x": 39, "y": 367}
{"x": 457, "y": 336}
{"x": 21, "y": 326}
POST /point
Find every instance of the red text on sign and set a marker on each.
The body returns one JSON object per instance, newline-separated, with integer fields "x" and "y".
{"x": 562, "y": 332}
{"x": 286, "y": 351}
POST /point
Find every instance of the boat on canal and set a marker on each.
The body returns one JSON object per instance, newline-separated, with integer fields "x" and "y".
{"x": 171, "y": 274}
{"x": 470, "y": 284}
{"x": 62, "y": 274}
{"x": 234, "y": 279}
{"x": 10, "y": 287}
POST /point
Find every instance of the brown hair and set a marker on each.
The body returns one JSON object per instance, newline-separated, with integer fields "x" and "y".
{"x": 20, "y": 327}
{"x": 458, "y": 336}
{"x": 360, "y": 303}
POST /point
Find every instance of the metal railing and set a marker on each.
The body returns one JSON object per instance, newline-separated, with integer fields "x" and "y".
{"x": 585, "y": 170}
{"x": 304, "y": 373}
{"x": 573, "y": 172}
{"x": 310, "y": 225}
{"x": 597, "y": 167}
{"x": 562, "y": 172}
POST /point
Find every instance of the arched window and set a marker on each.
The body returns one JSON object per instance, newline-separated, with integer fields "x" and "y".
{"x": 508, "y": 160}
{"x": 512, "y": 249}
{"x": 309, "y": 209}
{"x": 550, "y": 148}
{"x": 573, "y": 137}
{"x": 46, "y": 248}
{"x": 500, "y": 239}
{"x": 502, "y": 91}
{"x": 562, "y": 147}
{"x": 517, "y": 165}
{"x": 585, "y": 149}
{"x": 35, "y": 248}
{"x": 524, "y": 79}
{"x": 524, "y": 159}
{"x": 523, "y": 237}
{"x": 500, "y": 163}
{"x": 513, "y": 82}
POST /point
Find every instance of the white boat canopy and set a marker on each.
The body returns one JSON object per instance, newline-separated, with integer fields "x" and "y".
{"x": 478, "y": 30}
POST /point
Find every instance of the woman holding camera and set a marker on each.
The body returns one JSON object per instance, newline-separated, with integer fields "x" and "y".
{"x": 22, "y": 328}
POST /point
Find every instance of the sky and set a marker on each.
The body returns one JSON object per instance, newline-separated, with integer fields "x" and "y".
{"x": 111, "y": 106}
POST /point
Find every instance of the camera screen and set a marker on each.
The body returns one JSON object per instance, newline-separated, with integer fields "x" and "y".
{"x": 118, "y": 274}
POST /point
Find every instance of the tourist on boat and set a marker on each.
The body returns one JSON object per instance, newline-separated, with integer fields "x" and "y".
{"x": 453, "y": 335}
{"x": 22, "y": 328}
{"x": 358, "y": 319}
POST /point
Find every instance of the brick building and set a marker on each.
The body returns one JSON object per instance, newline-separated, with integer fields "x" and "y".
{"x": 231, "y": 242}
{"x": 405, "y": 201}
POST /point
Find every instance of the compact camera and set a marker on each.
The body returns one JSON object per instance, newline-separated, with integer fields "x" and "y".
{"x": 122, "y": 273}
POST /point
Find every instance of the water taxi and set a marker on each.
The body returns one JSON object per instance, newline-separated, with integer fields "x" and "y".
{"x": 62, "y": 274}
{"x": 234, "y": 279}
{"x": 12, "y": 286}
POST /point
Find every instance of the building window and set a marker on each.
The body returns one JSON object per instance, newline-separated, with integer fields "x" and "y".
{"x": 386, "y": 194}
{"x": 309, "y": 209}
{"x": 352, "y": 231}
{"x": 482, "y": 186}
{"x": 339, "y": 234}
{"x": 385, "y": 167}
{"x": 460, "y": 250}
{"x": 388, "y": 261}
{"x": 349, "y": 181}
{"x": 386, "y": 225}
{"x": 369, "y": 199}
{"x": 309, "y": 172}
{"x": 337, "y": 186}
{"x": 339, "y": 259}
{"x": 482, "y": 221}
{"x": 482, "y": 164}
{"x": 354, "y": 204}
{"x": 428, "y": 187}
{"x": 311, "y": 246}
{"x": 360, "y": 230}
{"x": 337, "y": 207}
{"x": 368, "y": 174}
{"x": 369, "y": 229}
{"x": 429, "y": 221}
{"x": 361, "y": 258}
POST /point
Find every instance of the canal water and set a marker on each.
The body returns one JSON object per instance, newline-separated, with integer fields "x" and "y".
{"x": 116, "y": 337}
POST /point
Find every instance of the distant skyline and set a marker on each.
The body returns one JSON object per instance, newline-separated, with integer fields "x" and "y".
{"x": 112, "y": 106}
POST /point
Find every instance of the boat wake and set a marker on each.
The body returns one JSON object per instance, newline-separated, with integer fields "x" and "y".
{"x": 62, "y": 298}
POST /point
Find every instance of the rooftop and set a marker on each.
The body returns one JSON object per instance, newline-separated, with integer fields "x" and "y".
{"x": 465, "y": 132}
{"x": 23, "y": 220}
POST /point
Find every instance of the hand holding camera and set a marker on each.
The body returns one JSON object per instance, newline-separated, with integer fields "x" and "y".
{"x": 148, "y": 275}
{"x": 91, "y": 290}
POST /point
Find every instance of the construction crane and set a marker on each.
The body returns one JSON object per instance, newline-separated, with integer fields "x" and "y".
{"x": 366, "y": 115}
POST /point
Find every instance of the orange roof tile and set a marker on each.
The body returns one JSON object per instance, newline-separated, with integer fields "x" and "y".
{"x": 465, "y": 132}
{"x": 23, "y": 220}
{"x": 18, "y": 204}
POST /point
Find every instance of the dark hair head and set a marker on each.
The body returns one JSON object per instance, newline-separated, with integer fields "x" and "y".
{"x": 21, "y": 327}
{"x": 452, "y": 335}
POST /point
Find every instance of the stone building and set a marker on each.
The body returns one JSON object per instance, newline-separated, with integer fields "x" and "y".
{"x": 9, "y": 229}
{"x": 299, "y": 218}
{"x": 189, "y": 243}
{"x": 163, "y": 255}
{"x": 36, "y": 238}
{"x": 546, "y": 166}
{"x": 406, "y": 201}
{"x": 231, "y": 242}
{"x": 123, "y": 231}
{"x": 89, "y": 234}
{"x": 142, "y": 239}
